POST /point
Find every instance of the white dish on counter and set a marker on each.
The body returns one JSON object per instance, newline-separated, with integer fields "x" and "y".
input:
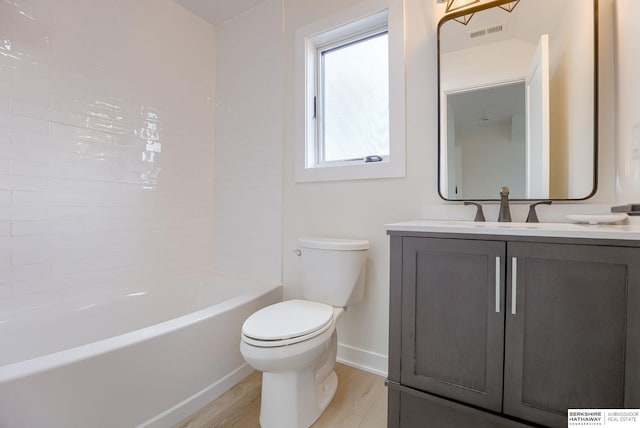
{"x": 597, "y": 218}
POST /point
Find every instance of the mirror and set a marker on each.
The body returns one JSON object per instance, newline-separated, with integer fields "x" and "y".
{"x": 518, "y": 100}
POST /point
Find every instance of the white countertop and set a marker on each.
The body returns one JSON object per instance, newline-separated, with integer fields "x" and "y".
{"x": 557, "y": 230}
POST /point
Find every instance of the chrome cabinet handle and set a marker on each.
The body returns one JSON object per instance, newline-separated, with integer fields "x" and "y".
{"x": 514, "y": 275}
{"x": 498, "y": 284}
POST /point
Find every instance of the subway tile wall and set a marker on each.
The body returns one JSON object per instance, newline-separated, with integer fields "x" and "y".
{"x": 106, "y": 144}
{"x": 249, "y": 146}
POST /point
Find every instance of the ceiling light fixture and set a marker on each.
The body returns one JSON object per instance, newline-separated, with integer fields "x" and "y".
{"x": 459, "y": 4}
{"x": 509, "y": 6}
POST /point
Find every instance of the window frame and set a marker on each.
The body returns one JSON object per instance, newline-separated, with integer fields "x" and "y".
{"x": 369, "y": 17}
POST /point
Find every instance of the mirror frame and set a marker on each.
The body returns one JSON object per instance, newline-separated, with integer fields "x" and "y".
{"x": 495, "y": 3}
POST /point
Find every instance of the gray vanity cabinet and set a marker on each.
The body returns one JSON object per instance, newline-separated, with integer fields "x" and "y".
{"x": 521, "y": 329}
{"x": 449, "y": 312}
{"x": 572, "y": 332}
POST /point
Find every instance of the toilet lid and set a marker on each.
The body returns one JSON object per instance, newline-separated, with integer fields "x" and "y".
{"x": 287, "y": 320}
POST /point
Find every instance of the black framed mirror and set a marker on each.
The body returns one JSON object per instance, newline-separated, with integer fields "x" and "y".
{"x": 518, "y": 100}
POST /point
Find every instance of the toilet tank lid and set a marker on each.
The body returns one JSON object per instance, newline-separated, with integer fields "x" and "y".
{"x": 334, "y": 243}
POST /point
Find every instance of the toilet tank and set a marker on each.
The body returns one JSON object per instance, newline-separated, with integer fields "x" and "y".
{"x": 333, "y": 270}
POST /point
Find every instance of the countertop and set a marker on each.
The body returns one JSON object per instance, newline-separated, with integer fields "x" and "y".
{"x": 558, "y": 230}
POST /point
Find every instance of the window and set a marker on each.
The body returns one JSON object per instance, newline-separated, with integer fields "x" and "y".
{"x": 350, "y": 95}
{"x": 352, "y": 100}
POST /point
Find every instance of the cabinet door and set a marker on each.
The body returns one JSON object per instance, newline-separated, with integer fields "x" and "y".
{"x": 572, "y": 330}
{"x": 453, "y": 318}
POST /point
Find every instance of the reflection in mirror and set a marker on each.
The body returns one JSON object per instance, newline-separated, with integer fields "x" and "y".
{"x": 496, "y": 136}
{"x": 518, "y": 101}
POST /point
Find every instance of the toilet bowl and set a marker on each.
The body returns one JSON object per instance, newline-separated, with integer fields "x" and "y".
{"x": 298, "y": 379}
{"x": 294, "y": 343}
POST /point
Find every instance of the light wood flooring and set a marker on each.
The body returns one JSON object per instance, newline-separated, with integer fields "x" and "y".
{"x": 360, "y": 402}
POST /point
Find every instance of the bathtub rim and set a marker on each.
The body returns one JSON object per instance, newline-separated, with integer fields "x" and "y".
{"x": 36, "y": 365}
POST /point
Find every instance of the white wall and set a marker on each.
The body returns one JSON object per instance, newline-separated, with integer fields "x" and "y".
{"x": 359, "y": 209}
{"x": 248, "y": 167}
{"x": 628, "y": 95}
{"x": 106, "y": 144}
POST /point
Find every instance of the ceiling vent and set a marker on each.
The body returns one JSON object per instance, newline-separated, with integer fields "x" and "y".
{"x": 486, "y": 31}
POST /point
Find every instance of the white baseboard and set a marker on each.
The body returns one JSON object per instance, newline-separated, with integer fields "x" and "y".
{"x": 198, "y": 400}
{"x": 363, "y": 360}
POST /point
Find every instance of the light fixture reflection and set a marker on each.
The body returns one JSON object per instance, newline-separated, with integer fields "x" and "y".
{"x": 464, "y": 20}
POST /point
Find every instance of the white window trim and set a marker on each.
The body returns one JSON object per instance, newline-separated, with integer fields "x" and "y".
{"x": 316, "y": 34}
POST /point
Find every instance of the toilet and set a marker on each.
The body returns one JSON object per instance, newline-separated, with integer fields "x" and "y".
{"x": 294, "y": 342}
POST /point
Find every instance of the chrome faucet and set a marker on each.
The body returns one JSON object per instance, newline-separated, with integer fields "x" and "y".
{"x": 505, "y": 214}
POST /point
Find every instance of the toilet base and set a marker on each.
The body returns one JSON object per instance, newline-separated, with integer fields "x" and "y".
{"x": 296, "y": 410}
{"x": 296, "y": 399}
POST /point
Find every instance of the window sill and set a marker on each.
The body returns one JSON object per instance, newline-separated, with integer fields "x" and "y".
{"x": 360, "y": 171}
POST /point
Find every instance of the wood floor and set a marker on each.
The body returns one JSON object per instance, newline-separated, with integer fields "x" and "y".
{"x": 360, "y": 402}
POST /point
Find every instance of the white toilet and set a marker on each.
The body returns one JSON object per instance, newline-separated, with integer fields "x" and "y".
{"x": 294, "y": 342}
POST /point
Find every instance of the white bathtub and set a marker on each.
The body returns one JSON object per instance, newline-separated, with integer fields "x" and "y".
{"x": 127, "y": 358}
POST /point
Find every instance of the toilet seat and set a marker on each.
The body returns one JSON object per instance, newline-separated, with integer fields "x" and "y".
{"x": 287, "y": 323}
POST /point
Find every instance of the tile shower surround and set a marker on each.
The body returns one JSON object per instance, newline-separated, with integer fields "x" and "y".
{"x": 249, "y": 165}
{"x": 106, "y": 144}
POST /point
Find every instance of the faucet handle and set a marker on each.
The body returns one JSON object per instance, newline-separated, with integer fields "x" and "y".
{"x": 504, "y": 214}
{"x": 533, "y": 217}
{"x": 479, "y": 212}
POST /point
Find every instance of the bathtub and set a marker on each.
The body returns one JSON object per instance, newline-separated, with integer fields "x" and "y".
{"x": 124, "y": 358}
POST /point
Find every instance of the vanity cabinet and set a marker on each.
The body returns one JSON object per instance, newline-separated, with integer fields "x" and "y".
{"x": 518, "y": 329}
{"x": 452, "y": 335}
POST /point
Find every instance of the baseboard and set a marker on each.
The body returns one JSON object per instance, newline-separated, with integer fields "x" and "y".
{"x": 197, "y": 401}
{"x": 354, "y": 357}
{"x": 363, "y": 360}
